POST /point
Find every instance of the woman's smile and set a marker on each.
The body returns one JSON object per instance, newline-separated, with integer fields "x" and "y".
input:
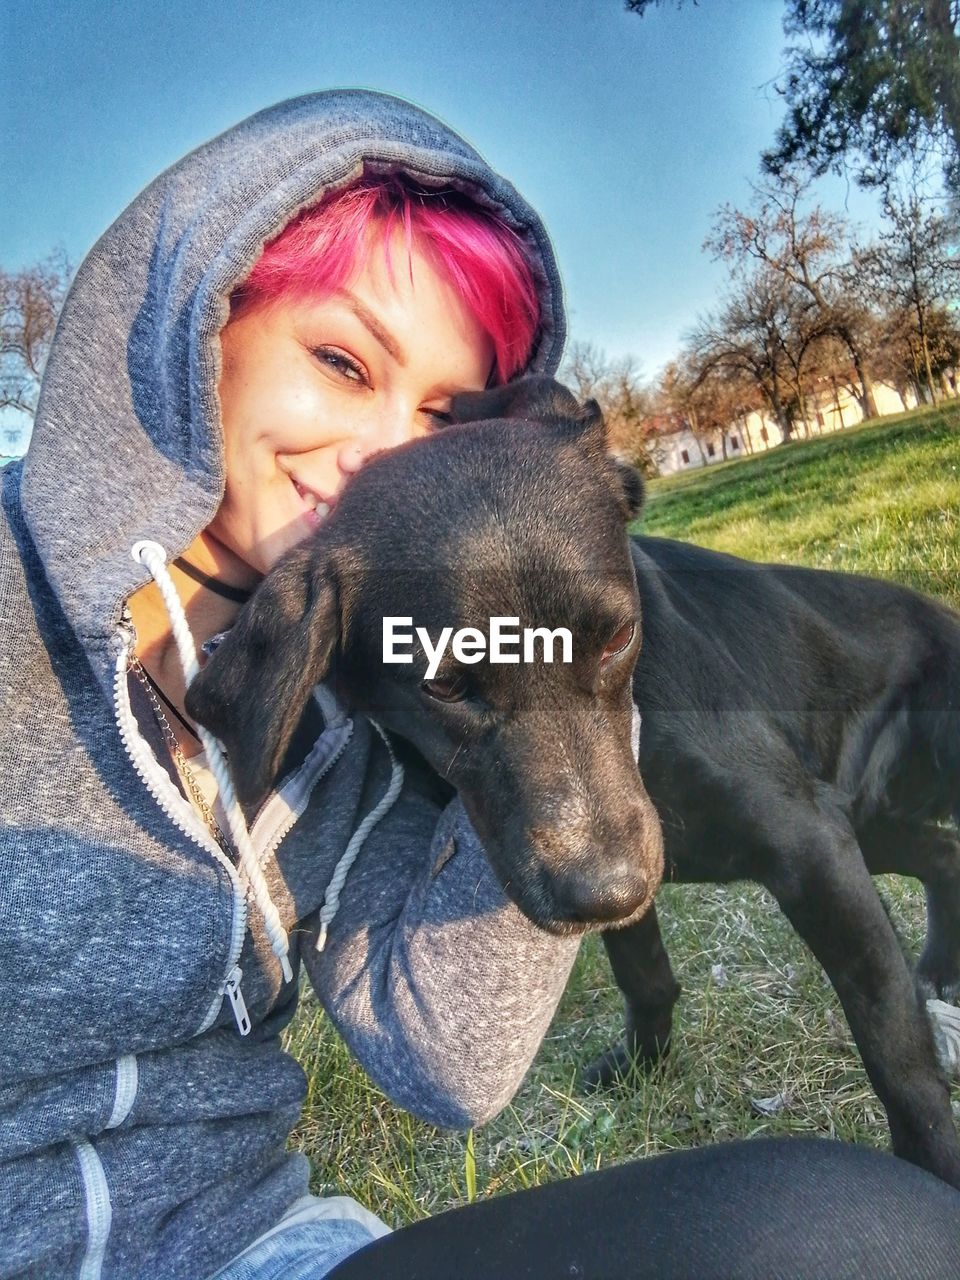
{"x": 317, "y": 506}
{"x": 311, "y": 388}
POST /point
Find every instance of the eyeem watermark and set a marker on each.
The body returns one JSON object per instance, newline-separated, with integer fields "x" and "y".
{"x": 469, "y": 644}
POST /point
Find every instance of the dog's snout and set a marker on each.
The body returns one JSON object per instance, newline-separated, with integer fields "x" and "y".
{"x": 594, "y": 871}
{"x": 601, "y": 897}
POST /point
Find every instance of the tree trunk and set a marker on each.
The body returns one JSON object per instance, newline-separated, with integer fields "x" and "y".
{"x": 745, "y": 438}
{"x": 920, "y": 309}
{"x": 931, "y": 383}
{"x": 868, "y": 401}
{"x": 866, "y": 398}
{"x": 783, "y": 423}
{"x": 802, "y": 407}
{"x": 836, "y": 401}
{"x": 692, "y": 418}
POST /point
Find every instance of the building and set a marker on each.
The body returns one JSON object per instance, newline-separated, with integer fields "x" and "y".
{"x": 674, "y": 447}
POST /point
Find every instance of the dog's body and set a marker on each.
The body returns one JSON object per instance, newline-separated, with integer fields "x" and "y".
{"x": 802, "y": 729}
{"x": 799, "y": 728}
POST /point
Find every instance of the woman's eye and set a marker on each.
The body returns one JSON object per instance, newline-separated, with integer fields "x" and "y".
{"x": 619, "y": 641}
{"x": 439, "y": 417}
{"x": 341, "y": 364}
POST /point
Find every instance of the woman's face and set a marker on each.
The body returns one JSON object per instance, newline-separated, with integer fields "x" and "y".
{"x": 311, "y": 389}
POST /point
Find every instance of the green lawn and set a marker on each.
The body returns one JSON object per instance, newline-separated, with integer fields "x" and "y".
{"x": 881, "y": 499}
{"x": 760, "y": 1043}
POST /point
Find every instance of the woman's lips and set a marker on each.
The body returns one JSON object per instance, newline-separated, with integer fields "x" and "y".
{"x": 317, "y": 506}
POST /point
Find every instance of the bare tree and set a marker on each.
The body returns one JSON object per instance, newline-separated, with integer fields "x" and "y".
{"x": 618, "y": 388}
{"x": 741, "y": 398}
{"x": 763, "y": 331}
{"x": 914, "y": 268}
{"x": 899, "y": 353}
{"x": 31, "y": 299}
{"x": 810, "y": 252}
{"x": 674, "y": 399}
{"x": 710, "y": 401}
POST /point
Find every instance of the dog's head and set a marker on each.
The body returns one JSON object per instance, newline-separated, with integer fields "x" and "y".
{"x": 515, "y": 511}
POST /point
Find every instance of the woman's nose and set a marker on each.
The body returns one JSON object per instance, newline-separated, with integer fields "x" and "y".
{"x": 351, "y": 457}
{"x": 384, "y": 435}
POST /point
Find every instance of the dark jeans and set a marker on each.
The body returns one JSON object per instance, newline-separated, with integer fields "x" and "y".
{"x": 794, "y": 1208}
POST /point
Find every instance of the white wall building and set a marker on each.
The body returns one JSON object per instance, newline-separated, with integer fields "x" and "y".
{"x": 674, "y": 446}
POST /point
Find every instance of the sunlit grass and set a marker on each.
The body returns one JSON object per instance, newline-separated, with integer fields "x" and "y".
{"x": 881, "y": 499}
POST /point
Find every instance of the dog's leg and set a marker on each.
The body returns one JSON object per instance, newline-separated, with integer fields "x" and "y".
{"x": 641, "y": 967}
{"x": 824, "y": 887}
{"x": 932, "y": 854}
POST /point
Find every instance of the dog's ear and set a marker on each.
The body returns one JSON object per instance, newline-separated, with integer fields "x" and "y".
{"x": 535, "y": 399}
{"x": 630, "y": 487}
{"x": 589, "y": 428}
{"x": 541, "y": 399}
{"x": 255, "y": 686}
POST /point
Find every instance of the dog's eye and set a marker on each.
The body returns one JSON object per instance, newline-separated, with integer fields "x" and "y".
{"x": 619, "y": 641}
{"x": 452, "y": 690}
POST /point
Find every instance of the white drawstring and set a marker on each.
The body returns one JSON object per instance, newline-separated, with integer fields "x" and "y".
{"x": 154, "y": 557}
{"x": 331, "y": 899}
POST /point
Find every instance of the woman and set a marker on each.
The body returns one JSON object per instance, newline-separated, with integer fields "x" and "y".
{"x": 204, "y": 401}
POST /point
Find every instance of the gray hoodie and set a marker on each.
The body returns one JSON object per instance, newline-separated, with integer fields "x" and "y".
{"x": 141, "y": 1134}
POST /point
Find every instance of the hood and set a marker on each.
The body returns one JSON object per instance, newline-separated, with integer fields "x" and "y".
{"x": 127, "y": 442}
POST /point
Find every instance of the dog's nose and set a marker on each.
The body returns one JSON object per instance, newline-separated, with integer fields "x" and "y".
{"x": 601, "y": 897}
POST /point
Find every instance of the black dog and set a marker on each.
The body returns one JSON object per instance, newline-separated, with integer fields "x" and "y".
{"x": 800, "y": 728}
{"x": 440, "y": 532}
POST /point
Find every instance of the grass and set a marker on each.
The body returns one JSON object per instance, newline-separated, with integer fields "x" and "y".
{"x": 760, "y": 1043}
{"x": 882, "y": 499}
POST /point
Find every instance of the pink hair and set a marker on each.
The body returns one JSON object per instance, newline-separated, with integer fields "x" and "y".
{"x": 323, "y": 247}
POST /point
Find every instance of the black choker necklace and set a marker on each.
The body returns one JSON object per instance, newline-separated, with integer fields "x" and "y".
{"x": 237, "y": 594}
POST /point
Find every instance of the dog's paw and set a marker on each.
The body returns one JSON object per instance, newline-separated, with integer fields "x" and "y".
{"x": 938, "y": 975}
{"x": 609, "y": 1069}
{"x": 618, "y": 1064}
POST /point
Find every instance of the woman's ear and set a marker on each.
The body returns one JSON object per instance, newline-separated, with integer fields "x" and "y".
{"x": 255, "y": 686}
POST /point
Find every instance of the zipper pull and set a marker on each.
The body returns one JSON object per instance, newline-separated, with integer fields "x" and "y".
{"x": 231, "y": 989}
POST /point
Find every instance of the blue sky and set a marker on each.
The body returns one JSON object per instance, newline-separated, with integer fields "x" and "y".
{"x": 626, "y": 133}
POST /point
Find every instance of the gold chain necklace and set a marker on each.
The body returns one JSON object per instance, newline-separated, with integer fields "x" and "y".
{"x": 186, "y": 773}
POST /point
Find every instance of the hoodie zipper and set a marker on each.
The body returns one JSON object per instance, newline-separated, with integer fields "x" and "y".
{"x": 183, "y": 816}
{"x": 295, "y": 811}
